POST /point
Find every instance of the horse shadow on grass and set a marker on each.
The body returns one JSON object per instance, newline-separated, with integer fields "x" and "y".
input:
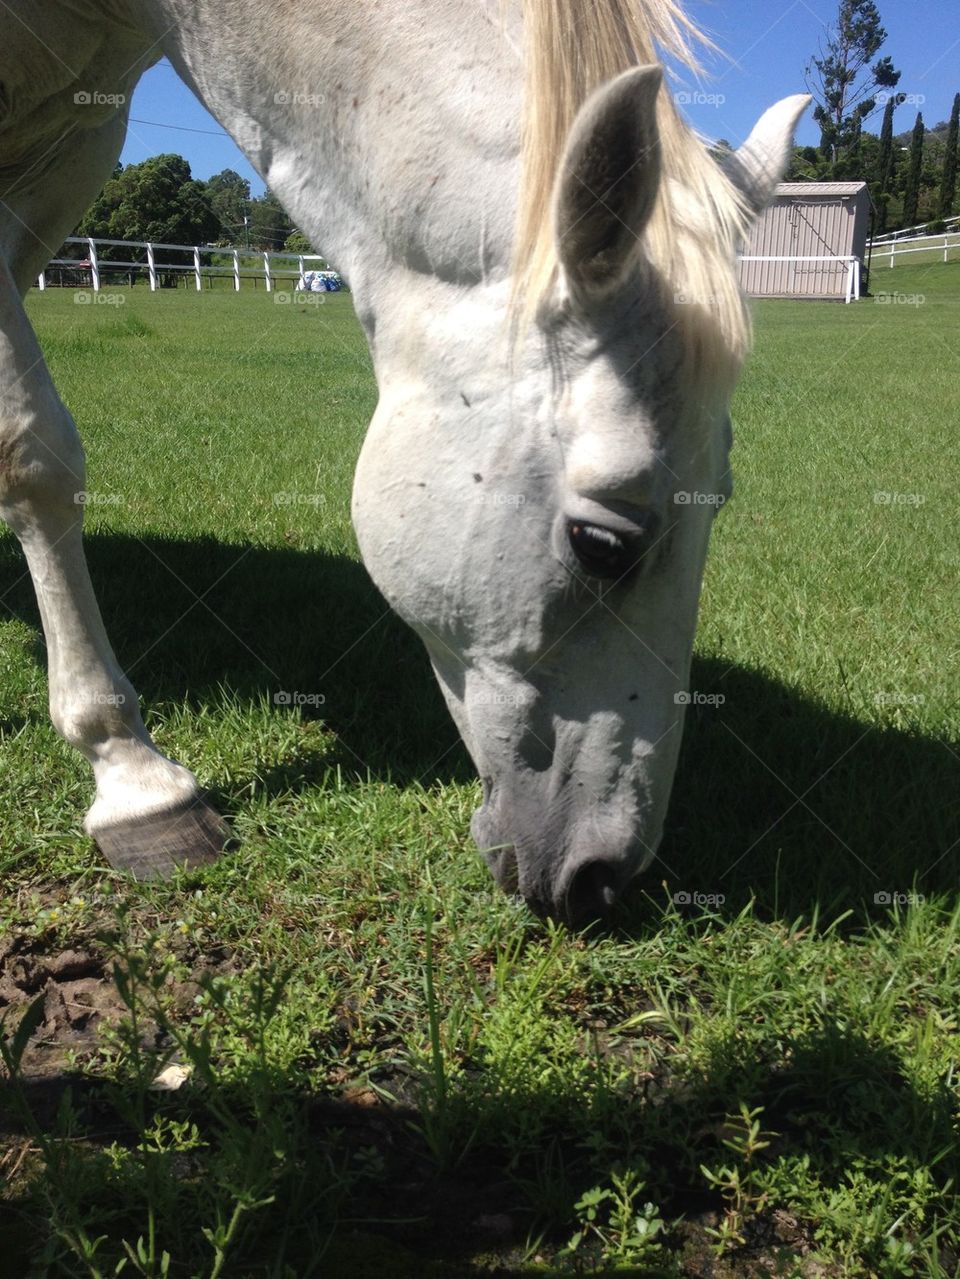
{"x": 374, "y": 1188}
{"x": 777, "y": 797}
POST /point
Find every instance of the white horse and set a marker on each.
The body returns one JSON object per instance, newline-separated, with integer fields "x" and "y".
{"x": 541, "y": 254}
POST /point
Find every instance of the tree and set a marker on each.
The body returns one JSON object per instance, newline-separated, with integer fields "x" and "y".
{"x": 805, "y": 164}
{"x": 229, "y": 196}
{"x": 156, "y": 200}
{"x": 849, "y": 164}
{"x": 948, "y": 182}
{"x": 269, "y": 223}
{"x": 885, "y": 160}
{"x": 842, "y": 79}
{"x": 911, "y": 193}
{"x": 297, "y": 242}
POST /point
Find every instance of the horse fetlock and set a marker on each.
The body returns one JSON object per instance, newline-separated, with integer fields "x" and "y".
{"x": 88, "y": 717}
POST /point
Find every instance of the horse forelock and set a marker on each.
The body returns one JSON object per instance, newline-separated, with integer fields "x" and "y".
{"x": 570, "y": 48}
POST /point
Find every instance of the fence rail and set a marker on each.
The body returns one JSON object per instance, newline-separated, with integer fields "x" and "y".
{"x": 849, "y": 264}
{"x": 270, "y": 266}
{"x": 908, "y": 232}
{"x": 945, "y": 240}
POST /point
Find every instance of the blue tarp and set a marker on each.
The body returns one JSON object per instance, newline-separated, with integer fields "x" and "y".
{"x": 321, "y": 282}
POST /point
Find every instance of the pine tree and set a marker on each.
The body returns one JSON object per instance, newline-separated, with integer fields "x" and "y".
{"x": 842, "y": 80}
{"x": 911, "y": 194}
{"x": 885, "y": 160}
{"x": 948, "y": 183}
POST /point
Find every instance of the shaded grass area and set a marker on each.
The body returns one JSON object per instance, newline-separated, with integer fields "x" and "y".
{"x": 391, "y": 1068}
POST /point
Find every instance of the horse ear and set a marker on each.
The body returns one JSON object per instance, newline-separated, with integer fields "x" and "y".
{"x": 608, "y": 179}
{"x": 757, "y": 166}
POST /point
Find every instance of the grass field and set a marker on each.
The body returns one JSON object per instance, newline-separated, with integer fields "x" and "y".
{"x": 392, "y": 1069}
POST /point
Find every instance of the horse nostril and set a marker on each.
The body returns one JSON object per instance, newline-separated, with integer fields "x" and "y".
{"x": 591, "y": 893}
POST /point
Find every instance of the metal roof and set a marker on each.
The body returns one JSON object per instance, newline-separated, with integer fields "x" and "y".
{"x": 821, "y": 188}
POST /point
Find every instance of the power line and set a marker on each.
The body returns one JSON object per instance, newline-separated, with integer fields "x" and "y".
{"x": 181, "y": 128}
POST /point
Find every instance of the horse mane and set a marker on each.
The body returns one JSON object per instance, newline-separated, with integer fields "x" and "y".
{"x": 570, "y": 48}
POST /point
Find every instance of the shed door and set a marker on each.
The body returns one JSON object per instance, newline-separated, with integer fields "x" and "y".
{"x": 821, "y": 228}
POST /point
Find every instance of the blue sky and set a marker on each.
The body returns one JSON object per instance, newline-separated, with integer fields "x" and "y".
{"x": 768, "y": 45}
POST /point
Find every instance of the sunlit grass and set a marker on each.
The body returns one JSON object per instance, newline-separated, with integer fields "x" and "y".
{"x": 368, "y": 1121}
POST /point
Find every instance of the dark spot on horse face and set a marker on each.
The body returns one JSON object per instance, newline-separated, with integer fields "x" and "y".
{"x": 633, "y": 697}
{"x": 464, "y": 398}
{"x": 477, "y": 477}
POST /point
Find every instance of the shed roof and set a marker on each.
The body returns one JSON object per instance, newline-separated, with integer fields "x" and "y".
{"x": 821, "y": 188}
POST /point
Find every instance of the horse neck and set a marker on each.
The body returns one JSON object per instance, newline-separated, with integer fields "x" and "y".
{"x": 389, "y": 132}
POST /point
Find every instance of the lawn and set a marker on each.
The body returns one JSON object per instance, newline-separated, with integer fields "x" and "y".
{"x": 375, "y": 1063}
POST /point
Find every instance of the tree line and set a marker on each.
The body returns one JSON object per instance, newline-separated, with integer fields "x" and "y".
{"x": 912, "y": 175}
{"x": 161, "y": 202}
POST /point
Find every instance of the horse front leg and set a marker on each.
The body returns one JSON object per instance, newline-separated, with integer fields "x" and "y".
{"x": 148, "y": 815}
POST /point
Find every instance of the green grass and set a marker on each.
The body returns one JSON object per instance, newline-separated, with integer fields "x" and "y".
{"x": 395, "y": 1070}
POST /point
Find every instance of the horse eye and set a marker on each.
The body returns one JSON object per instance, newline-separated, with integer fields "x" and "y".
{"x": 601, "y": 552}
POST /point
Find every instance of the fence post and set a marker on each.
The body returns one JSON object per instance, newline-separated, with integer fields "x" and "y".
{"x": 94, "y": 266}
{"x": 196, "y": 267}
{"x": 151, "y": 268}
{"x": 236, "y": 271}
{"x": 266, "y": 271}
{"x": 944, "y": 248}
{"x": 893, "y": 249}
{"x": 41, "y": 281}
{"x": 302, "y": 281}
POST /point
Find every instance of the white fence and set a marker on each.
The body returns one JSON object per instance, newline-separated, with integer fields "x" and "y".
{"x": 907, "y": 232}
{"x": 848, "y": 275}
{"x": 273, "y": 267}
{"x": 270, "y": 267}
{"x": 948, "y": 241}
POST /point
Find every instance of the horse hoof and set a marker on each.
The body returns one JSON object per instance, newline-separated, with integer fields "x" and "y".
{"x": 153, "y": 847}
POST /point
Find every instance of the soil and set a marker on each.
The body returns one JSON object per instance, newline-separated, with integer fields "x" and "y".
{"x": 470, "y": 1211}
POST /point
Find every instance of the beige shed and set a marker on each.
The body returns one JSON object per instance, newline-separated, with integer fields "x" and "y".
{"x": 809, "y": 243}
